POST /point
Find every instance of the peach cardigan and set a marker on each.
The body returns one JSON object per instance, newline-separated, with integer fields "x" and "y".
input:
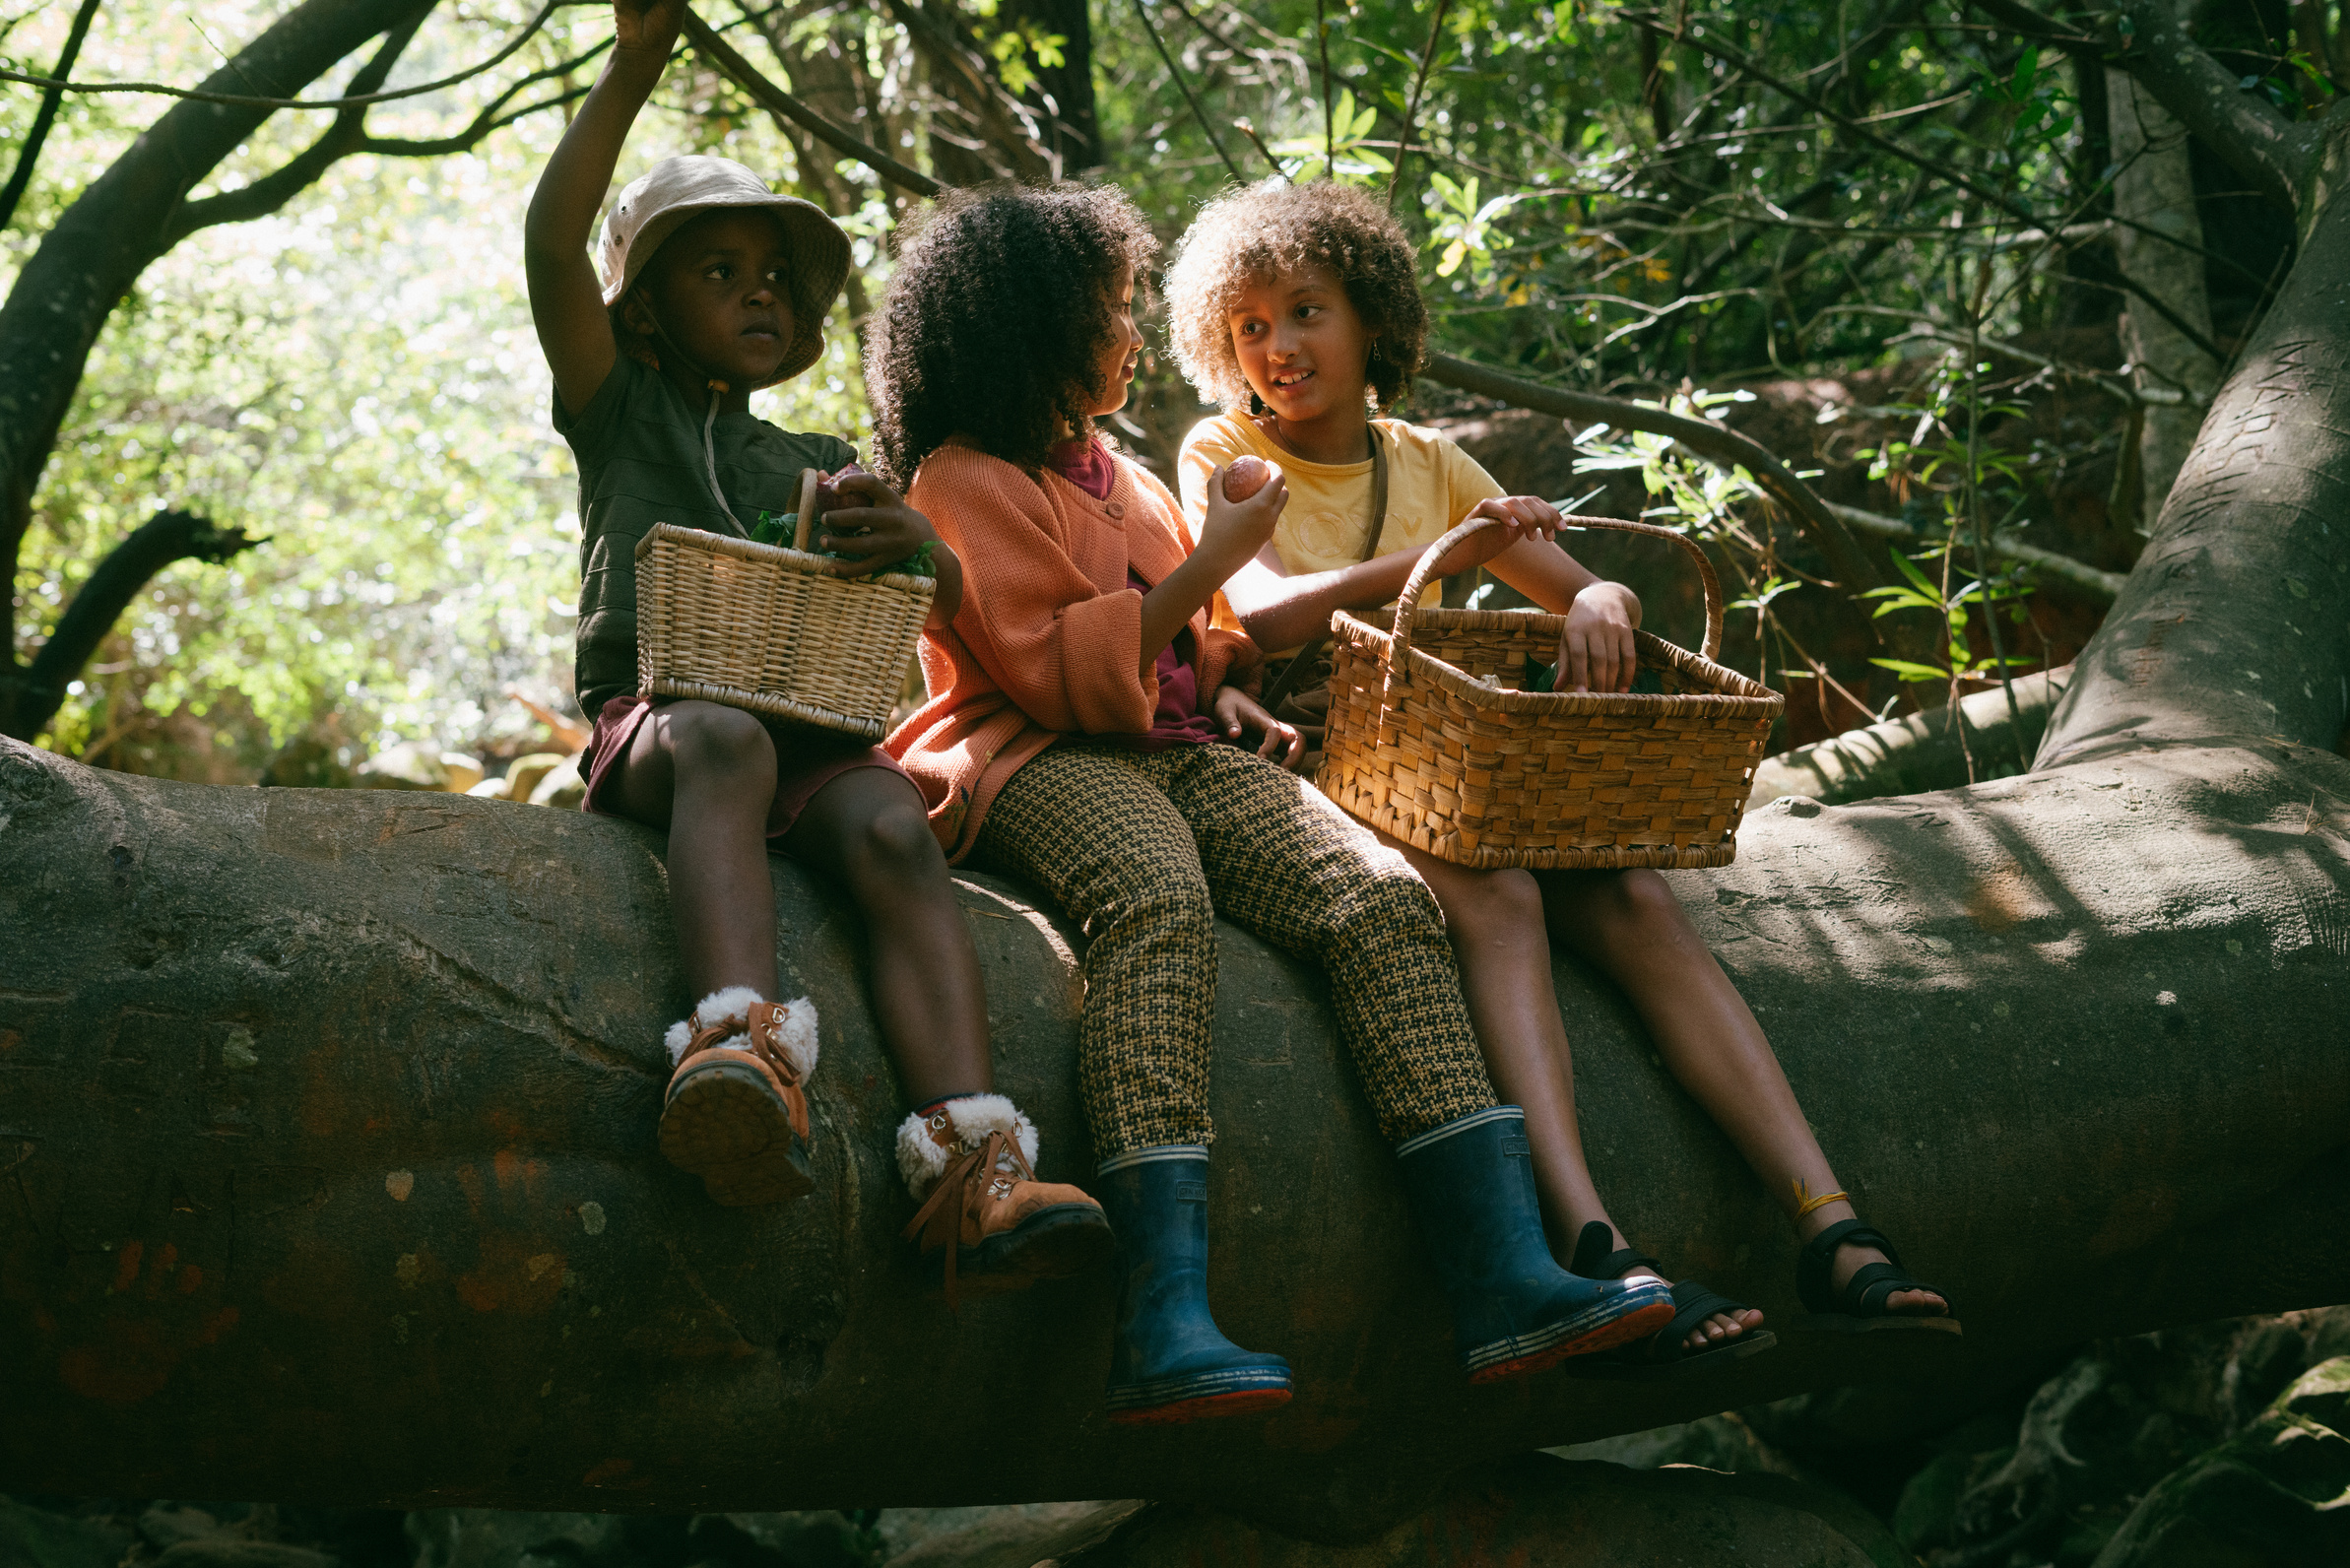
{"x": 1049, "y": 638}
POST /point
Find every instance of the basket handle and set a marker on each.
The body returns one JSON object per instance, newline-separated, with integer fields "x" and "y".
{"x": 1409, "y": 602}
{"x": 809, "y": 480}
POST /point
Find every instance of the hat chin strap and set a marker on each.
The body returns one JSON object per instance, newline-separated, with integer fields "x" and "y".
{"x": 709, "y": 423}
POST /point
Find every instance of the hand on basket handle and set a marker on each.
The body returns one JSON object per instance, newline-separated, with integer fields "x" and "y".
{"x": 1520, "y": 517}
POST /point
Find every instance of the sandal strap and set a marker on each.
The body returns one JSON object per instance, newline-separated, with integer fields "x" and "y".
{"x": 1693, "y": 1304}
{"x": 1593, "y": 1259}
{"x": 1815, "y": 1264}
{"x": 1866, "y": 1293}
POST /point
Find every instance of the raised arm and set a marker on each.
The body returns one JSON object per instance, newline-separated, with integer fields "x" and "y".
{"x": 567, "y": 302}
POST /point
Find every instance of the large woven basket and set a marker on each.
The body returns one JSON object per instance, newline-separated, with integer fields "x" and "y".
{"x": 774, "y": 630}
{"x": 1431, "y": 741}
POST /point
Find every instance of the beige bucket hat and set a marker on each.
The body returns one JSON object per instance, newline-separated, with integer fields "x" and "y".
{"x": 656, "y": 204}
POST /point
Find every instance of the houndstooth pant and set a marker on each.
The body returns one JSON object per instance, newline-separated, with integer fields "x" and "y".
{"x": 1144, "y": 849}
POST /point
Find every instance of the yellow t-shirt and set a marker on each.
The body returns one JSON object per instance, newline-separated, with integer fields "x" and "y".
{"x": 1431, "y": 484}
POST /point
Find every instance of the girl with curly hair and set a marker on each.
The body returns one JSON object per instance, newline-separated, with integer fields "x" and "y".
{"x": 1298, "y": 307}
{"x": 1077, "y": 738}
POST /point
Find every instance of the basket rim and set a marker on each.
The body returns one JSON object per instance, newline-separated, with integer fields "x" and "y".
{"x": 1735, "y": 696}
{"x": 809, "y": 562}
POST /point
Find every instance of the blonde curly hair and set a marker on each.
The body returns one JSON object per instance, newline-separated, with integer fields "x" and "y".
{"x": 1270, "y": 228}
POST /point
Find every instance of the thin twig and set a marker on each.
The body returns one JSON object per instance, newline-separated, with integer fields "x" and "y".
{"x": 46, "y": 115}
{"x": 197, "y": 95}
{"x": 1411, "y": 106}
{"x": 1144, "y": 11}
{"x": 1330, "y": 133}
{"x": 777, "y": 100}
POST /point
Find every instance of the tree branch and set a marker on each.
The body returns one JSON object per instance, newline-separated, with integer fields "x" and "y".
{"x": 1715, "y": 444}
{"x": 2148, "y": 41}
{"x": 530, "y": 29}
{"x": 50, "y": 97}
{"x": 775, "y": 101}
{"x": 2100, "y": 586}
{"x": 490, "y": 119}
{"x": 166, "y": 537}
{"x": 297, "y": 175}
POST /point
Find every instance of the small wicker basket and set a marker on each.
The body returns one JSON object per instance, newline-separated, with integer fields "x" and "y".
{"x": 1432, "y": 743}
{"x": 776, "y": 631}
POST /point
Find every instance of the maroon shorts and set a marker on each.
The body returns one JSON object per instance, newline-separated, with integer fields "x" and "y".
{"x": 807, "y": 759}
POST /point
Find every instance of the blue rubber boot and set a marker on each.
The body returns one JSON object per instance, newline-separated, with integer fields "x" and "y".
{"x": 1515, "y": 1311}
{"x": 1168, "y": 1363}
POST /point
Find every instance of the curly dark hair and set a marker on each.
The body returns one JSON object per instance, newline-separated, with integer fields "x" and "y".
{"x": 993, "y": 326}
{"x": 1270, "y": 228}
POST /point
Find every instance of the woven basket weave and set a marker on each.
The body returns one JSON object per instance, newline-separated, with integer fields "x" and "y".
{"x": 776, "y": 631}
{"x": 1430, "y": 741}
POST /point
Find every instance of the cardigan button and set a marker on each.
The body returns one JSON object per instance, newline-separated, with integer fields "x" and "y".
{"x": 1116, "y": 509}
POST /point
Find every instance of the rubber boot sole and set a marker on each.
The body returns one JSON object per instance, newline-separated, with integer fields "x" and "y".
{"x": 724, "y": 1124}
{"x": 1201, "y": 1396}
{"x": 1639, "y": 1324}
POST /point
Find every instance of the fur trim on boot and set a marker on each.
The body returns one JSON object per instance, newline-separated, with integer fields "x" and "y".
{"x": 927, "y": 1145}
{"x": 799, "y": 1042}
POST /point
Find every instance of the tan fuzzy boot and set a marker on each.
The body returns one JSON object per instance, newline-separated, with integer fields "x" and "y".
{"x": 736, "y": 1113}
{"x": 997, "y": 1227}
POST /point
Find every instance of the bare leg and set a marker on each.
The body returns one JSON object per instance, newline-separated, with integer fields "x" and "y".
{"x": 1495, "y": 919}
{"x": 706, "y": 774}
{"x": 1630, "y": 925}
{"x": 867, "y": 830}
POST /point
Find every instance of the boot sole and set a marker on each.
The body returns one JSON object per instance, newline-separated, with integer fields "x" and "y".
{"x": 1051, "y": 1244}
{"x": 1054, "y": 1243}
{"x": 1639, "y": 1324}
{"x": 1246, "y": 1402}
{"x": 725, "y": 1125}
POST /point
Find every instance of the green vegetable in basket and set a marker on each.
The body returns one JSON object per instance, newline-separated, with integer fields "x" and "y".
{"x": 1539, "y": 677}
{"x": 777, "y": 527}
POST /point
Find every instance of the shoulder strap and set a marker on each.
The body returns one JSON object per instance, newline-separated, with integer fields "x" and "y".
{"x": 1378, "y": 491}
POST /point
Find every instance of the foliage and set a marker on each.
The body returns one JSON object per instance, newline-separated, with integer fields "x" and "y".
{"x": 1609, "y": 198}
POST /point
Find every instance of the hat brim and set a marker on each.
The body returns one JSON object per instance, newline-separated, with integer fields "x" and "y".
{"x": 820, "y": 254}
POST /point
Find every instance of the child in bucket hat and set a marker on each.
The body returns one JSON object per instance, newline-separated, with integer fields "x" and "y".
{"x": 712, "y": 286}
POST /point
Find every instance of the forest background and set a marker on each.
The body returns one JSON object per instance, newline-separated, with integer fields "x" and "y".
{"x": 1937, "y": 257}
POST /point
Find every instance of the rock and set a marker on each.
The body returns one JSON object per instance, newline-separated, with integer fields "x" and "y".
{"x": 166, "y": 1525}
{"x": 1722, "y": 1442}
{"x": 1534, "y": 1509}
{"x": 2276, "y": 1495}
{"x": 464, "y": 771}
{"x": 32, "y": 1538}
{"x": 233, "y": 1551}
{"x": 482, "y": 1537}
{"x": 1017, "y": 1536}
{"x": 563, "y": 785}
{"x": 524, "y": 771}
{"x": 410, "y": 765}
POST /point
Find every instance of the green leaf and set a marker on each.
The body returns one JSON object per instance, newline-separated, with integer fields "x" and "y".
{"x": 1909, "y": 670}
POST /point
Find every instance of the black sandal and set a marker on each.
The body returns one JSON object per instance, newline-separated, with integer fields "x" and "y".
{"x": 1664, "y": 1354}
{"x": 1861, "y": 1306}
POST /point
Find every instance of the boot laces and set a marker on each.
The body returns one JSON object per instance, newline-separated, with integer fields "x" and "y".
{"x": 986, "y": 1170}
{"x": 766, "y": 1040}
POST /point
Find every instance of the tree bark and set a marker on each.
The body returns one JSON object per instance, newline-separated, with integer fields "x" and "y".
{"x": 327, "y": 1169}
{"x": 1917, "y": 752}
{"x": 2155, "y": 188}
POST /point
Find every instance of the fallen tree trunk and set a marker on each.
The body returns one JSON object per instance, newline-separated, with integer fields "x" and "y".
{"x": 1925, "y": 750}
{"x": 329, "y": 1170}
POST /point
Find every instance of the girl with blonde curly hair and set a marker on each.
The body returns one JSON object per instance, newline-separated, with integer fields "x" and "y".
{"x": 1298, "y": 307}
